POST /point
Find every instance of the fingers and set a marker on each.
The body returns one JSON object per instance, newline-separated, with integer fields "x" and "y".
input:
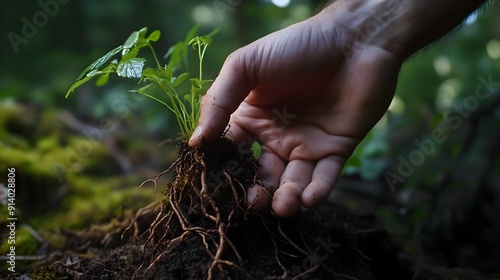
{"x": 324, "y": 177}
{"x": 295, "y": 178}
{"x": 272, "y": 167}
{"x": 300, "y": 183}
{"x": 222, "y": 99}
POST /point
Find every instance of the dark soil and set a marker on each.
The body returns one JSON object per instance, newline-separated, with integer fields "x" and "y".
{"x": 205, "y": 232}
{"x": 338, "y": 246}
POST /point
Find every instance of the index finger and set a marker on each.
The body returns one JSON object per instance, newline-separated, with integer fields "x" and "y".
{"x": 224, "y": 96}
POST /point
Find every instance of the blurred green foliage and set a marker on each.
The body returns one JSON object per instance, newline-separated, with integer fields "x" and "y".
{"x": 431, "y": 85}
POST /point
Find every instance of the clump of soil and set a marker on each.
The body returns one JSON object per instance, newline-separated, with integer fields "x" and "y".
{"x": 204, "y": 200}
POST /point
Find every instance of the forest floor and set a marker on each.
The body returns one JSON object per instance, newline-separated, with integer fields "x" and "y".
{"x": 85, "y": 228}
{"x": 327, "y": 242}
{"x": 337, "y": 245}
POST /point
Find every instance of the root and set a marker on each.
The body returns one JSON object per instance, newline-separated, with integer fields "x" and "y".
{"x": 204, "y": 199}
{"x": 190, "y": 207}
{"x": 145, "y": 211}
{"x": 306, "y": 273}
{"x": 317, "y": 262}
{"x": 155, "y": 180}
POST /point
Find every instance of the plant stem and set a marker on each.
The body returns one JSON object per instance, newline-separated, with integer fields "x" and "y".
{"x": 154, "y": 55}
{"x": 200, "y": 55}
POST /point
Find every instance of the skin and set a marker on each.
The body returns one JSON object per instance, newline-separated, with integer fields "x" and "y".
{"x": 309, "y": 93}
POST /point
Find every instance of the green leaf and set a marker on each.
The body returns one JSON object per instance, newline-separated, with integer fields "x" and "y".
{"x": 99, "y": 62}
{"x": 130, "y": 53}
{"x": 199, "y": 87}
{"x": 175, "y": 54}
{"x": 203, "y": 40}
{"x": 256, "y": 149}
{"x": 103, "y": 79}
{"x": 167, "y": 73}
{"x": 77, "y": 84}
{"x": 145, "y": 88}
{"x": 142, "y": 41}
{"x": 131, "y": 40}
{"x": 150, "y": 72}
{"x": 154, "y": 36}
{"x": 142, "y": 32}
{"x": 93, "y": 73}
{"x": 179, "y": 79}
{"x": 131, "y": 68}
{"x": 134, "y": 42}
{"x": 195, "y": 82}
{"x": 130, "y": 43}
{"x": 200, "y": 41}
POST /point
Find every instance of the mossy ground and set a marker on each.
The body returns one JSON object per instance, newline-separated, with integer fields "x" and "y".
{"x": 64, "y": 180}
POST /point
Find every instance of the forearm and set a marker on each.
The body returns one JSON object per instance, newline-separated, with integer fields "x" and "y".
{"x": 432, "y": 19}
{"x": 401, "y": 27}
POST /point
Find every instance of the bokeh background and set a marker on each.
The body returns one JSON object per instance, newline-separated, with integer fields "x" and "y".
{"x": 79, "y": 161}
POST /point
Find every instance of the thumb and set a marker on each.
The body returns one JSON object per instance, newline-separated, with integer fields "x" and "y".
{"x": 224, "y": 96}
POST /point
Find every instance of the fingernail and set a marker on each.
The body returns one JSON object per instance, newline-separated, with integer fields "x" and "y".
{"x": 196, "y": 135}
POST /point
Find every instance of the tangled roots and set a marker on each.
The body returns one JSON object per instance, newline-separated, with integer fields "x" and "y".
{"x": 204, "y": 197}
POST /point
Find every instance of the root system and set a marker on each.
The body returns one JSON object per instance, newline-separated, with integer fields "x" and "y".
{"x": 204, "y": 206}
{"x": 205, "y": 197}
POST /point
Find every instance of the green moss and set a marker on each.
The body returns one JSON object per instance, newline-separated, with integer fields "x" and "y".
{"x": 63, "y": 181}
{"x": 13, "y": 140}
{"x": 18, "y": 121}
{"x": 27, "y": 245}
{"x": 49, "y": 124}
{"x": 45, "y": 273}
{"x": 47, "y": 144}
{"x": 9, "y": 111}
{"x": 14, "y": 157}
{"x": 95, "y": 200}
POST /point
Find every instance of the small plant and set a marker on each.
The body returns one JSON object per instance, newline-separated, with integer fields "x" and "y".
{"x": 185, "y": 106}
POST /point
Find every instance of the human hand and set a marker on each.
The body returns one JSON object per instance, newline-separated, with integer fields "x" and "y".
{"x": 305, "y": 102}
{"x": 309, "y": 93}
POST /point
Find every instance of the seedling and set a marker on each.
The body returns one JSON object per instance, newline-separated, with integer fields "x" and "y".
{"x": 170, "y": 78}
